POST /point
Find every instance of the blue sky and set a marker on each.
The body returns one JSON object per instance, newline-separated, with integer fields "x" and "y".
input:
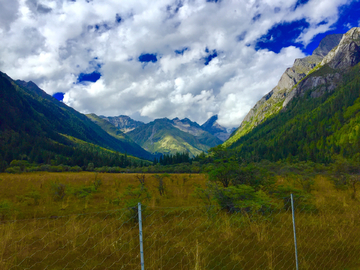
{"x": 166, "y": 58}
{"x": 286, "y": 33}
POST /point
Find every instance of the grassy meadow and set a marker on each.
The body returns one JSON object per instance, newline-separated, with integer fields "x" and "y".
{"x": 82, "y": 221}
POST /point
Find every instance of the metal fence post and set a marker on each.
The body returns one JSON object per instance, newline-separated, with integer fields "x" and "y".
{"x": 141, "y": 237}
{"x": 294, "y": 228}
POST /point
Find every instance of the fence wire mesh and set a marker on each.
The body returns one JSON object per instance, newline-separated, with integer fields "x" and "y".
{"x": 186, "y": 238}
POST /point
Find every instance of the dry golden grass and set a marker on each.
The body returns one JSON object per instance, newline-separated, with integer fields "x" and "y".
{"x": 178, "y": 232}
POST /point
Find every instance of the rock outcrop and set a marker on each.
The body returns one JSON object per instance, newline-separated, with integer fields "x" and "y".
{"x": 334, "y": 64}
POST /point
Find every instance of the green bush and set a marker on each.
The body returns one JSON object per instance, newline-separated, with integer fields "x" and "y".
{"x": 75, "y": 169}
{"x": 35, "y": 196}
{"x": 15, "y": 169}
{"x": 6, "y": 209}
{"x": 303, "y": 201}
{"x": 242, "y": 198}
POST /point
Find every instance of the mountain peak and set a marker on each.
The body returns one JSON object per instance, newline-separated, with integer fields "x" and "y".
{"x": 347, "y": 53}
{"x": 327, "y": 44}
{"x": 212, "y": 126}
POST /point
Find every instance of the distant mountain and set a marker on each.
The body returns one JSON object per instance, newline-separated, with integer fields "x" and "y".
{"x": 313, "y": 115}
{"x": 123, "y": 122}
{"x": 215, "y": 129}
{"x": 171, "y": 136}
{"x": 36, "y": 126}
{"x": 279, "y": 96}
{"x": 132, "y": 147}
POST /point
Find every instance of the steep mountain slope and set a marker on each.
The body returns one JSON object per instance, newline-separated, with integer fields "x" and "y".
{"x": 32, "y": 120}
{"x": 123, "y": 122}
{"x": 215, "y": 129}
{"x": 319, "y": 117}
{"x": 273, "y": 102}
{"x": 171, "y": 136}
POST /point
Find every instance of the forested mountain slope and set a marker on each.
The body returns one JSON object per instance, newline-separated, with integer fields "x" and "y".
{"x": 32, "y": 125}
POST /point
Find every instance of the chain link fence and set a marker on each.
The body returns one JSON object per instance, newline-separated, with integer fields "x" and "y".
{"x": 204, "y": 237}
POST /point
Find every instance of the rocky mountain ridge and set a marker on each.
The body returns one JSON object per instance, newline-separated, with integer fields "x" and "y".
{"x": 322, "y": 70}
{"x": 123, "y": 122}
{"x": 127, "y": 124}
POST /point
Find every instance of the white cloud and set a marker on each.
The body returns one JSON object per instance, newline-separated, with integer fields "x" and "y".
{"x": 52, "y": 41}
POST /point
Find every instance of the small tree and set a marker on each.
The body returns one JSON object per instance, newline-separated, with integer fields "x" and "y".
{"x": 141, "y": 178}
{"x": 90, "y": 167}
{"x": 161, "y": 184}
{"x": 132, "y": 196}
{"x": 223, "y": 173}
{"x": 302, "y": 200}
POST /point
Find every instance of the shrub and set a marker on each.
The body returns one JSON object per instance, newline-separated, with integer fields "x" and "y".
{"x": 90, "y": 167}
{"x": 34, "y": 195}
{"x": 15, "y": 169}
{"x": 83, "y": 191}
{"x": 6, "y": 209}
{"x": 58, "y": 191}
{"x": 303, "y": 201}
{"x": 242, "y": 198}
{"x": 75, "y": 169}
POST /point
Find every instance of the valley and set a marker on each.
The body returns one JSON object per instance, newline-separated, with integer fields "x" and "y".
{"x": 212, "y": 197}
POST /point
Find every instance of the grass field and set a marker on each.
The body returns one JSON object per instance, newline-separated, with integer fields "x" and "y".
{"x": 90, "y": 227}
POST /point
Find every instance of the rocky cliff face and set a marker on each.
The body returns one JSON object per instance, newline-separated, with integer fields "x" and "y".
{"x": 123, "y": 122}
{"x": 328, "y": 74}
{"x": 322, "y": 71}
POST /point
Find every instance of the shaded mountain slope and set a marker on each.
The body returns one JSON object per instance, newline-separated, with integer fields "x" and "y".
{"x": 32, "y": 121}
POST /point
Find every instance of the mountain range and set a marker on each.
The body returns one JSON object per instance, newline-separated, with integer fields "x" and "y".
{"x": 164, "y": 136}
{"x": 312, "y": 114}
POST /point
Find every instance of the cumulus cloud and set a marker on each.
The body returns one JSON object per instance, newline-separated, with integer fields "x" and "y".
{"x": 203, "y": 55}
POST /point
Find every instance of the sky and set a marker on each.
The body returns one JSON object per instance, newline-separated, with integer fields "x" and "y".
{"x": 164, "y": 58}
